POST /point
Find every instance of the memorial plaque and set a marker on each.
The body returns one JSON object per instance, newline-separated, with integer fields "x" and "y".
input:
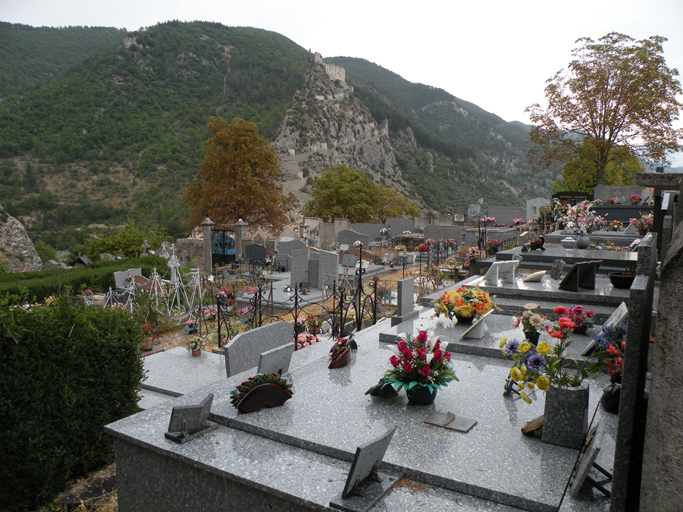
{"x": 506, "y": 214}
{"x": 572, "y": 198}
{"x": 557, "y": 268}
{"x": 276, "y": 360}
{"x": 618, "y": 316}
{"x": 365, "y": 484}
{"x": 580, "y": 275}
{"x": 478, "y": 328}
{"x": 474, "y": 213}
{"x": 608, "y": 192}
{"x": 450, "y": 421}
{"x": 190, "y": 421}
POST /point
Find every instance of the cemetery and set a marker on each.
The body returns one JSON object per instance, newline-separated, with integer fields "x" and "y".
{"x": 474, "y": 414}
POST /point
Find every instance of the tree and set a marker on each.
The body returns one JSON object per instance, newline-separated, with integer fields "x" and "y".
{"x": 617, "y": 92}
{"x": 343, "y": 192}
{"x": 127, "y": 240}
{"x": 579, "y": 173}
{"x": 238, "y": 176}
{"x": 391, "y": 204}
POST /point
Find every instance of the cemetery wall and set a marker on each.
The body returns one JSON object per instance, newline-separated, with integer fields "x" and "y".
{"x": 190, "y": 251}
{"x": 662, "y": 472}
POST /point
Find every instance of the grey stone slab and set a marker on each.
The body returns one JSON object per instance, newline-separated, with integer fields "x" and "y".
{"x": 607, "y": 192}
{"x": 571, "y": 256}
{"x": 299, "y": 266}
{"x": 442, "y": 233}
{"x": 405, "y": 290}
{"x": 244, "y": 350}
{"x": 149, "y": 399}
{"x": 497, "y": 327}
{"x": 349, "y": 260}
{"x": 329, "y": 268}
{"x": 398, "y": 225}
{"x": 121, "y": 277}
{"x": 533, "y": 205}
{"x": 287, "y": 248}
{"x": 468, "y": 463}
{"x": 314, "y": 273}
{"x": 474, "y": 213}
{"x": 349, "y": 237}
{"x": 506, "y": 214}
{"x": 282, "y": 262}
{"x": 176, "y": 372}
{"x": 256, "y": 253}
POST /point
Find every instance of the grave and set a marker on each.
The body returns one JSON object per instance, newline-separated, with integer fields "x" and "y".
{"x": 398, "y": 225}
{"x": 533, "y": 207}
{"x": 506, "y": 214}
{"x": 349, "y": 237}
{"x": 405, "y": 310}
{"x": 282, "y": 262}
{"x": 474, "y": 213}
{"x": 299, "y": 266}
{"x": 288, "y": 247}
{"x": 256, "y": 254}
{"x": 121, "y": 278}
{"x": 612, "y": 261}
{"x": 349, "y": 260}
{"x": 605, "y": 193}
{"x": 442, "y": 233}
{"x": 245, "y": 349}
{"x": 298, "y": 456}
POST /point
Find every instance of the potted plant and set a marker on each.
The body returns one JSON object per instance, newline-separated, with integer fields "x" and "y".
{"x": 623, "y": 280}
{"x": 210, "y": 313}
{"x": 493, "y": 245}
{"x": 314, "y": 324}
{"x": 464, "y": 304}
{"x": 489, "y": 220}
{"x": 421, "y": 365}
{"x": 635, "y": 199}
{"x": 191, "y": 326}
{"x": 147, "y": 342}
{"x": 226, "y": 294}
{"x": 473, "y": 254}
{"x": 615, "y": 225}
{"x": 611, "y": 341}
{"x": 196, "y": 345}
{"x": 340, "y": 354}
{"x": 299, "y": 325}
{"x": 262, "y": 390}
{"x": 518, "y": 222}
{"x": 644, "y": 223}
{"x": 532, "y": 322}
{"x": 582, "y": 318}
{"x": 548, "y": 368}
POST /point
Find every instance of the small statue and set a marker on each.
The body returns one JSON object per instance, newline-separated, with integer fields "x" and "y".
{"x": 537, "y": 243}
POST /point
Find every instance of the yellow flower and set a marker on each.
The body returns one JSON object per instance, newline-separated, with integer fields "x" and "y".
{"x": 525, "y": 397}
{"x": 522, "y": 370}
{"x": 543, "y": 348}
{"x": 515, "y": 374}
{"x": 524, "y": 347}
{"x": 542, "y": 383}
{"x": 530, "y": 385}
{"x": 503, "y": 341}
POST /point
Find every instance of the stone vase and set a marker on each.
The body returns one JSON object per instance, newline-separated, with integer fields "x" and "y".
{"x": 421, "y": 395}
{"x": 582, "y": 242}
{"x": 565, "y": 420}
{"x": 532, "y": 337}
{"x": 581, "y": 330}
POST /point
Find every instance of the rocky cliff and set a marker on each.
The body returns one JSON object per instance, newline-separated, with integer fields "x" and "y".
{"x": 17, "y": 253}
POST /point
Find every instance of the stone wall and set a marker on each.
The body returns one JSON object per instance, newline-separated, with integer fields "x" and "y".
{"x": 190, "y": 251}
{"x": 662, "y": 471}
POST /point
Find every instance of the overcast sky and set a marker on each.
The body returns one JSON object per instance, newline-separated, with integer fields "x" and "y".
{"x": 496, "y": 54}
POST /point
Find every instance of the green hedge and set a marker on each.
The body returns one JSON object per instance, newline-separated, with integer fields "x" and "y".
{"x": 66, "y": 371}
{"x": 98, "y": 277}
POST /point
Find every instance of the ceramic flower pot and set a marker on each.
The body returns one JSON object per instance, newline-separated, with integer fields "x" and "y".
{"x": 263, "y": 395}
{"x": 421, "y": 395}
{"x": 464, "y": 319}
{"x": 582, "y": 242}
{"x": 565, "y": 419}
{"x": 532, "y": 337}
{"x": 341, "y": 359}
{"x": 196, "y": 352}
{"x": 147, "y": 343}
{"x": 622, "y": 280}
{"x": 642, "y": 232}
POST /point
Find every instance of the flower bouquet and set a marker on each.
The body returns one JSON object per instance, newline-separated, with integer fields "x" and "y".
{"x": 423, "y": 248}
{"x": 464, "y": 303}
{"x": 304, "y": 340}
{"x": 635, "y": 199}
{"x": 531, "y": 321}
{"x": 314, "y": 324}
{"x": 384, "y": 231}
{"x": 473, "y": 254}
{"x": 421, "y": 365}
{"x": 644, "y": 223}
{"x": 493, "y": 245}
{"x": 262, "y": 390}
{"x": 615, "y": 225}
{"x": 210, "y": 313}
{"x": 196, "y": 345}
{"x": 582, "y": 318}
{"x": 518, "y": 222}
{"x": 191, "y": 326}
{"x": 611, "y": 341}
{"x": 546, "y": 364}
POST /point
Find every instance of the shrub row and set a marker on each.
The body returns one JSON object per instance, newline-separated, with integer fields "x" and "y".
{"x": 99, "y": 276}
{"x": 67, "y": 370}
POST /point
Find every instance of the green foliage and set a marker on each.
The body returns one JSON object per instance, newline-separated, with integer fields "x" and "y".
{"x": 343, "y": 192}
{"x": 15, "y": 288}
{"x": 580, "y": 173}
{"x": 32, "y": 56}
{"x": 126, "y": 241}
{"x": 68, "y": 370}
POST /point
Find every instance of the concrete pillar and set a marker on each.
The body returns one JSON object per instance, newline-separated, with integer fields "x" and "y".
{"x": 207, "y": 229}
{"x": 240, "y": 232}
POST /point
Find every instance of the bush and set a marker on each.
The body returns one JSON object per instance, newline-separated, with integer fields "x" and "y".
{"x": 98, "y": 277}
{"x": 67, "y": 371}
